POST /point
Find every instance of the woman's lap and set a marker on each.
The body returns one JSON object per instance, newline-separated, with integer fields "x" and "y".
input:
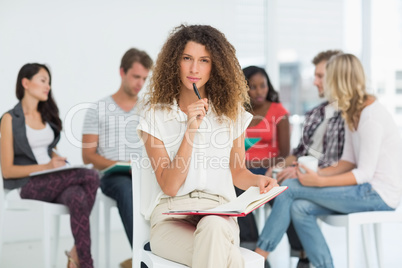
{"x": 343, "y": 199}
{"x": 48, "y": 187}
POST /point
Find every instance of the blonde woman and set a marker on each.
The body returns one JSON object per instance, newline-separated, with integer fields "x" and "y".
{"x": 367, "y": 178}
{"x": 196, "y": 147}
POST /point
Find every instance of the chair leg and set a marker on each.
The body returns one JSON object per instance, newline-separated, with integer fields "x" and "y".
{"x": 261, "y": 217}
{"x": 378, "y": 243}
{"x": 55, "y": 241}
{"x": 350, "y": 242}
{"x": 365, "y": 228}
{"x": 46, "y": 239}
{"x": 107, "y": 234}
{"x": 94, "y": 224}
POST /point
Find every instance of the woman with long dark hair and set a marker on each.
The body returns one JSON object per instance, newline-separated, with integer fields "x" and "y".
{"x": 270, "y": 122}
{"x": 29, "y": 134}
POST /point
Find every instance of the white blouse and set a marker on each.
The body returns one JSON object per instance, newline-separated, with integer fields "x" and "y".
{"x": 209, "y": 169}
{"x": 376, "y": 150}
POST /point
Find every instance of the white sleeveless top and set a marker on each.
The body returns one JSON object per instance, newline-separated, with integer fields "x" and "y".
{"x": 39, "y": 141}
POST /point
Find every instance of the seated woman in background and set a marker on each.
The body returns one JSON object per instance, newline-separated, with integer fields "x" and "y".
{"x": 367, "y": 178}
{"x": 29, "y": 133}
{"x": 270, "y": 123}
{"x": 196, "y": 148}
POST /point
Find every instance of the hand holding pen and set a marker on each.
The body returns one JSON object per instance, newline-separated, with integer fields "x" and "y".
{"x": 58, "y": 160}
{"x": 198, "y": 95}
{"x": 197, "y": 110}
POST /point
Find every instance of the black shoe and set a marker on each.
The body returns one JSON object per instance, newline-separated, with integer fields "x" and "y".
{"x": 303, "y": 263}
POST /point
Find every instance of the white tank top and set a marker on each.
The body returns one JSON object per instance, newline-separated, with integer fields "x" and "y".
{"x": 39, "y": 141}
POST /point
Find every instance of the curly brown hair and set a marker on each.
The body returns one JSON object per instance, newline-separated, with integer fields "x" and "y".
{"x": 226, "y": 87}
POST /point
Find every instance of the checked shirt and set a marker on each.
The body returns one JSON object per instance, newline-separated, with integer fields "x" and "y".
{"x": 333, "y": 140}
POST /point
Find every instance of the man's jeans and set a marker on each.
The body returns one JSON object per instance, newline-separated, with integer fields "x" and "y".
{"x": 118, "y": 186}
{"x": 303, "y": 204}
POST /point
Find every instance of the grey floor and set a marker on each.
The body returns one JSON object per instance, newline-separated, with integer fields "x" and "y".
{"x": 29, "y": 253}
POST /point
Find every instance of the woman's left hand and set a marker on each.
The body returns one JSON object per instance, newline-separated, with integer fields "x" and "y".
{"x": 310, "y": 178}
{"x": 266, "y": 184}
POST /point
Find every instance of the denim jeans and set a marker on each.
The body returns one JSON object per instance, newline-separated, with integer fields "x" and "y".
{"x": 303, "y": 204}
{"x": 118, "y": 186}
{"x": 293, "y": 238}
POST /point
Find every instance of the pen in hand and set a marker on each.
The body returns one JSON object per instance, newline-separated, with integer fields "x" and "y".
{"x": 55, "y": 151}
{"x": 197, "y": 93}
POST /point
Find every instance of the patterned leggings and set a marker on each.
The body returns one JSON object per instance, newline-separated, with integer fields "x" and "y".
{"x": 75, "y": 188}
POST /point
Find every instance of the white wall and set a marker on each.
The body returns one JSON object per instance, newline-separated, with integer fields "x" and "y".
{"x": 83, "y": 42}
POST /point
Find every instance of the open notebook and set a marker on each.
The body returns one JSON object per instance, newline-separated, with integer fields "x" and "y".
{"x": 66, "y": 167}
{"x": 239, "y": 207}
{"x": 119, "y": 167}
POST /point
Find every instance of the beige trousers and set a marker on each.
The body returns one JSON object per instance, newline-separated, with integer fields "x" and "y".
{"x": 195, "y": 241}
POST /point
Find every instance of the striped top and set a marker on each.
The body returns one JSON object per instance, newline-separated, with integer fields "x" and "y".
{"x": 116, "y": 128}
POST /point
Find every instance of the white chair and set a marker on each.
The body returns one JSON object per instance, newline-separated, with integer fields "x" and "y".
{"x": 50, "y": 213}
{"x": 261, "y": 215}
{"x": 354, "y": 221}
{"x": 51, "y": 218}
{"x": 108, "y": 204}
{"x": 141, "y": 235}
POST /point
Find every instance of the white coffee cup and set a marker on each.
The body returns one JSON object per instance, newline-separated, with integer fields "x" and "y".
{"x": 309, "y": 162}
{"x": 275, "y": 171}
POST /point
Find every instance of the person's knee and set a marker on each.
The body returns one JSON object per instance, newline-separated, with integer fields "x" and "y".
{"x": 300, "y": 207}
{"x": 291, "y": 183}
{"x": 91, "y": 174}
{"x": 92, "y": 177}
{"x": 215, "y": 225}
{"x": 78, "y": 199}
{"x": 211, "y": 220}
{"x": 118, "y": 188}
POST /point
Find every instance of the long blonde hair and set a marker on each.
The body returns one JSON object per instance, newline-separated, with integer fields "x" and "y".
{"x": 345, "y": 83}
{"x": 226, "y": 87}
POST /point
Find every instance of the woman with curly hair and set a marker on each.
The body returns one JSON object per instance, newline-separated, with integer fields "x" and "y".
{"x": 367, "y": 178}
{"x": 196, "y": 147}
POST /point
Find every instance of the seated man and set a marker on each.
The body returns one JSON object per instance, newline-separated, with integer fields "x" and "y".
{"x": 109, "y": 134}
{"x": 322, "y": 137}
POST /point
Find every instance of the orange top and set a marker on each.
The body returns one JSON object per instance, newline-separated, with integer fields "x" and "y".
{"x": 267, "y": 147}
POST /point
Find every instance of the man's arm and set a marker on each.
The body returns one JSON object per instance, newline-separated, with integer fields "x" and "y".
{"x": 89, "y": 154}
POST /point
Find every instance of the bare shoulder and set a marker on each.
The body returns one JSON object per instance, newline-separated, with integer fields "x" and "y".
{"x": 6, "y": 127}
{"x": 6, "y": 120}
